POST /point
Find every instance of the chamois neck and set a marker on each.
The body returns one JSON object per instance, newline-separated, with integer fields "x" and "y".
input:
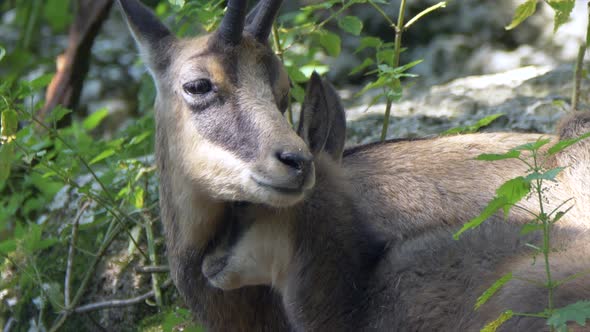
{"x": 336, "y": 252}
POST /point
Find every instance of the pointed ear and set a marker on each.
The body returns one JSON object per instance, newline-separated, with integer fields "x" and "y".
{"x": 315, "y": 119}
{"x": 337, "y": 135}
{"x": 154, "y": 39}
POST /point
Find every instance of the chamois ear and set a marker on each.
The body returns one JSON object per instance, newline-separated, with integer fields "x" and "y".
{"x": 316, "y": 118}
{"x": 153, "y": 38}
{"x": 337, "y": 135}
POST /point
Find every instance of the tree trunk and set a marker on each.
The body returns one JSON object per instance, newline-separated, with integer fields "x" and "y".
{"x": 73, "y": 64}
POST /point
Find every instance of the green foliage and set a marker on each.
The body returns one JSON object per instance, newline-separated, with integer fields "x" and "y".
{"x": 578, "y": 312}
{"x": 481, "y": 123}
{"x": 509, "y": 193}
{"x": 351, "y": 24}
{"x": 562, "y": 145}
{"x": 523, "y": 11}
{"x": 488, "y": 293}
{"x": 507, "y": 196}
{"x": 562, "y": 9}
{"x": 170, "y": 320}
{"x": 495, "y": 324}
{"x": 41, "y": 172}
{"x": 56, "y": 16}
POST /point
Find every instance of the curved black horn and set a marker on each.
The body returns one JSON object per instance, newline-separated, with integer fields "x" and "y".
{"x": 265, "y": 14}
{"x": 232, "y": 25}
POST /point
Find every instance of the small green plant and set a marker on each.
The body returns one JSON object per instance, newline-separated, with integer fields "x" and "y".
{"x": 388, "y": 71}
{"x": 507, "y": 196}
{"x": 49, "y": 257}
{"x": 513, "y": 191}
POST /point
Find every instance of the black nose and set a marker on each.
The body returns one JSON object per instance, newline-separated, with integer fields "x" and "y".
{"x": 294, "y": 160}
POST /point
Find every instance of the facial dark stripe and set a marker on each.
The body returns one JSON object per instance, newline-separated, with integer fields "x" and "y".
{"x": 229, "y": 127}
{"x": 228, "y": 124}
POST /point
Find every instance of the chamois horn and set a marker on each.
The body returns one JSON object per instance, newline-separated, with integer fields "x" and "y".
{"x": 265, "y": 13}
{"x": 232, "y": 24}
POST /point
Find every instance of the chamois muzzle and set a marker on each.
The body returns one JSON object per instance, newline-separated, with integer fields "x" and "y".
{"x": 286, "y": 171}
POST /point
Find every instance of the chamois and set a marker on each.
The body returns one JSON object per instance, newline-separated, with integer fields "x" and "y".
{"x": 221, "y": 139}
{"x": 337, "y": 272}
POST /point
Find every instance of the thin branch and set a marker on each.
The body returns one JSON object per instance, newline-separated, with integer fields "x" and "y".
{"x": 153, "y": 259}
{"x": 110, "y": 236}
{"x": 578, "y": 77}
{"x": 9, "y": 324}
{"x": 524, "y": 314}
{"x": 396, "y": 54}
{"x": 531, "y": 281}
{"x": 119, "y": 303}
{"x": 97, "y": 179}
{"x": 571, "y": 277}
{"x": 71, "y": 252}
{"x": 376, "y": 6}
{"x": 526, "y": 210}
{"x": 425, "y": 12}
{"x": 280, "y": 53}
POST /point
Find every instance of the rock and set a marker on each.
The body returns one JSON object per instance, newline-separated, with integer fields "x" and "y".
{"x": 531, "y": 98}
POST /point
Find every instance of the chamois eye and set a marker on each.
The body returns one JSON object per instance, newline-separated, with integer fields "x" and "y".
{"x": 198, "y": 87}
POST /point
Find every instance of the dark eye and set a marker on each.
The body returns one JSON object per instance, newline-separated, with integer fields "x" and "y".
{"x": 198, "y": 87}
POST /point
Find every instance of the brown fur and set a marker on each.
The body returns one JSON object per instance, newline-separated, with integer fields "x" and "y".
{"x": 344, "y": 275}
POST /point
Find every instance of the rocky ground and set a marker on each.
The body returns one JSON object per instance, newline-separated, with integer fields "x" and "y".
{"x": 531, "y": 98}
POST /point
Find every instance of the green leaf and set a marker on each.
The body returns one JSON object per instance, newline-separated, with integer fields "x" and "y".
{"x": 2, "y": 53}
{"x": 474, "y": 127}
{"x": 492, "y": 290}
{"x": 549, "y": 175}
{"x": 559, "y": 146}
{"x": 94, "y": 119}
{"x": 494, "y": 325}
{"x": 512, "y": 154}
{"x": 57, "y": 114}
{"x": 563, "y": 9}
{"x": 578, "y": 312}
{"x": 8, "y": 246}
{"x": 372, "y": 42}
{"x": 57, "y": 13}
{"x": 381, "y": 81}
{"x": 513, "y": 191}
{"x": 103, "y": 155}
{"x": 8, "y": 125}
{"x": 366, "y": 63}
{"x": 530, "y": 227}
{"x": 318, "y": 6}
{"x": 41, "y": 81}
{"x": 533, "y": 146}
{"x": 177, "y": 4}
{"x": 560, "y": 214}
{"x": 55, "y": 295}
{"x": 493, "y": 206}
{"x": 330, "y": 42}
{"x": 295, "y": 74}
{"x": 507, "y": 195}
{"x": 138, "y": 197}
{"x": 351, "y": 24}
{"x": 522, "y": 13}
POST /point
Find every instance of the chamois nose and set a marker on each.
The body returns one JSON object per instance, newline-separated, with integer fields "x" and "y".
{"x": 295, "y": 160}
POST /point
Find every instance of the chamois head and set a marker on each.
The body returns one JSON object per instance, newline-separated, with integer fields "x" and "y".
{"x": 219, "y": 107}
{"x": 257, "y": 246}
